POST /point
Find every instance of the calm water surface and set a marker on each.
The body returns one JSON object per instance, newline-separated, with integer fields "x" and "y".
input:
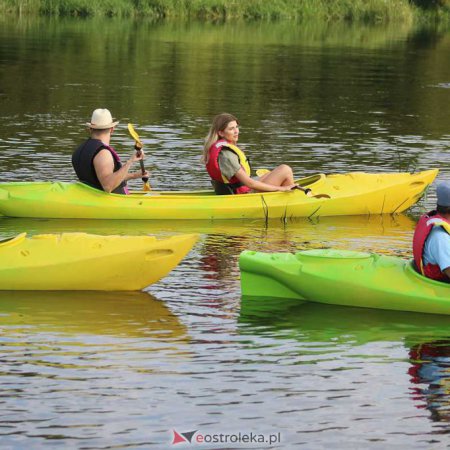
{"x": 124, "y": 370}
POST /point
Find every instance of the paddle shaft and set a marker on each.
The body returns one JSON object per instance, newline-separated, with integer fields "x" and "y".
{"x": 261, "y": 172}
{"x": 138, "y": 145}
{"x": 305, "y": 190}
{"x": 141, "y": 163}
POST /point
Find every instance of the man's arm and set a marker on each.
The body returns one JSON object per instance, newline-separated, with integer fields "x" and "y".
{"x": 104, "y": 168}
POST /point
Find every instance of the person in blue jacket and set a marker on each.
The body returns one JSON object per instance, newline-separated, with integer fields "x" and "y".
{"x": 431, "y": 242}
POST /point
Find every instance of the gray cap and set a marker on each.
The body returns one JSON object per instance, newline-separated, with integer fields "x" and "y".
{"x": 443, "y": 193}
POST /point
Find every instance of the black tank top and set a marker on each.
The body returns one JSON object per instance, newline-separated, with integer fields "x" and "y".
{"x": 83, "y": 163}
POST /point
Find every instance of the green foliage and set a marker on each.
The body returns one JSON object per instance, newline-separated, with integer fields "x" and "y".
{"x": 85, "y": 8}
{"x": 367, "y": 11}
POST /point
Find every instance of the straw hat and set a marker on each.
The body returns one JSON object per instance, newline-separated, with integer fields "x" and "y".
{"x": 101, "y": 120}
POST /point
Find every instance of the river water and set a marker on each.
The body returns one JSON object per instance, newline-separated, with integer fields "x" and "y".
{"x": 129, "y": 370}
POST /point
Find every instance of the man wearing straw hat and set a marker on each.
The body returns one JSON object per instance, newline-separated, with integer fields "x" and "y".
{"x": 97, "y": 164}
{"x": 431, "y": 242}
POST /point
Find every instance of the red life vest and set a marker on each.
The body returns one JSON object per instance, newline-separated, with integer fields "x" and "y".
{"x": 212, "y": 166}
{"x": 421, "y": 233}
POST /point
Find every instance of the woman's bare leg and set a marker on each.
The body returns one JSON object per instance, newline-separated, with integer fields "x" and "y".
{"x": 280, "y": 176}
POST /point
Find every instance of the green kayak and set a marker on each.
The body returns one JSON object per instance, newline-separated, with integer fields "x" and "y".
{"x": 341, "y": 277}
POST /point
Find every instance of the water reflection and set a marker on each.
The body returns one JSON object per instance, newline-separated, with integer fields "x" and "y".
{"x": 115, "y": 314}
{"x": 313, "y": 322}
{"x": 347, "y": 231}
{"x": 362, "y": 356}
{"x": 430, "y": 374}
{"x": 86, "y": 366}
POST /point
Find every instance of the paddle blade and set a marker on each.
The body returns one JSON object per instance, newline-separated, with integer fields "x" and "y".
{"x": 134, "y": 135}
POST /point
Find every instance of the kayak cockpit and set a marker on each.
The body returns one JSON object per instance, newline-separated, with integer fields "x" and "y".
{"x": 412, "y": 272}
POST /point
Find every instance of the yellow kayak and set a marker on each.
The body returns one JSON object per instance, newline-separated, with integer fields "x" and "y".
{"x": 348, "y": 194}
{"x": 80, "y": 261}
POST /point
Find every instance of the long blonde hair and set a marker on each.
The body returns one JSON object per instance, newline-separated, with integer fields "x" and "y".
{"x": 220, "y": 122}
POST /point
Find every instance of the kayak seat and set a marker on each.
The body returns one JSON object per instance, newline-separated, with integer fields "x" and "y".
{"x": 221, "y": 188}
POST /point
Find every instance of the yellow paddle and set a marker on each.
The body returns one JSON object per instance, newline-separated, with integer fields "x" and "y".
{"x": 138, "y": 146}
{"x": 261, "y": 172}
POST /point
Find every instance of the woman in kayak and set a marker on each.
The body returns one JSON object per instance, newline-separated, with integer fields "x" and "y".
{"x": 97, "y": 164}
{"x": 228, "y": 166}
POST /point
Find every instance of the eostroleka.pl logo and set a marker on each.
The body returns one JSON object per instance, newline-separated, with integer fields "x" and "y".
{"x": 183, "y": 437}
{"x": 194, "y": 437}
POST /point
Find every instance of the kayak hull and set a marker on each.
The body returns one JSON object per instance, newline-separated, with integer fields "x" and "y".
{"x": 349, "y": 194}
{"x": 342, "y": 278}
{"x": 80, "y": 261}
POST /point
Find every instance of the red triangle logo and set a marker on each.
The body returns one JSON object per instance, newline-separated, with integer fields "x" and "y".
{"x": 177, "y": 438}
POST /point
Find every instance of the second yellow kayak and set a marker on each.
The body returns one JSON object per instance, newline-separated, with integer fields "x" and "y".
{"x": 80, "y": 261}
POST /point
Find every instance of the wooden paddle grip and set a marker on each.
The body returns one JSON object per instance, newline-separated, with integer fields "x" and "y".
{"x": 144, "y": 179}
